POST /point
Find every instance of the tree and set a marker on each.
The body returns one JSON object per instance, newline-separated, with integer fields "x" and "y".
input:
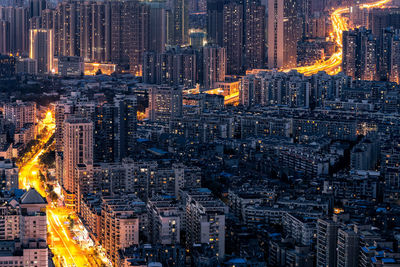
{"x": 42, "y": 177}
{"x": 71, "y": 222}
{"x": 53, "y": 196}
{"x": 48, "y": 159}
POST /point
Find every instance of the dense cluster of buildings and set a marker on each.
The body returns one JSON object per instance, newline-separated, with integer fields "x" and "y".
{"x": 179, "y": 141}
{"x": 197, "y": 181}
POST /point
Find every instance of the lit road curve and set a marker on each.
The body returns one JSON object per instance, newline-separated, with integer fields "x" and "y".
{"x": 339, "y": 24}
{"x": 332, "y": 65}
{"x": 67, "y": 252}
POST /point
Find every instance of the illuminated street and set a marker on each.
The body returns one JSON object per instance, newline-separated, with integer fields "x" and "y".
{"x": 67, "y": 251}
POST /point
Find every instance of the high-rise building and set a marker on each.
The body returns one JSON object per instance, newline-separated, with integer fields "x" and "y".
{"x": 119, "y": 225}
{"x": 233, "y": 37}
{"x": 205, "y": 220}
{"x": 197, "y": 39}
{"x": 240, "y": 29}
{"x": 86, "y": 30}
{"x": 66, "y": 29}
{"x": 214, "y": 65}
{"x": 178, "y": 19}
{"x": 165, "y": 103}
{"x": 395, "y": 60}
{"x": 390, "y": 156}
{"x": 284, "y": 31}
{"x": 125, "y": 123}
{"x": 371, "y": 59}
{"x": 35, "y": 23}
{"x": 350, "y": 63}
{"x": 104, "y": 129}
{"x": 99, "y": 48}
{"x": 4, "y": 37}
{"x": 388, "y": 54}
{"x": 113, "y": 32}
{"x": 175, "y": 67}
{"x": 382, "y": 18}
{"x": 36, "y": 7}
{"x": 134, "y": 31}
{"x": 77, "y": 149}
{"x": 26, "y": 65}
{"x": 215, "y": 21}
{"x": 85, "y": 178}
{"x": 326, "y": 242}
{"x": 93, "y": 30}
{"x": 347, "y": 248}
{"x": 360, "y": 54}
{"x": 157, "y": 29}
{"x": 254, "y": 35}
{"x": 41, "y": 49}
{"x": 48, "y": 17}
{"x": 18, "y": 28}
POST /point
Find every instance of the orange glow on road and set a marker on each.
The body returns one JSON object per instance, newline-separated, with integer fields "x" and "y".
{"x": 93, "y": 68}
{"x": 339, "y": 24}
{"x": 141, "y": 116}
{"x": 66, "y": 250}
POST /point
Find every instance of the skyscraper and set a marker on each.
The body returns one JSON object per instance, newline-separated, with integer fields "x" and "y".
{"x": 347, "y": 248}
{"x": 67, "y": 29}
{"x": 177, "y": 13}
{"x": 349, "y": 64}
{"x": 371, "y": 59}
{"x": 395, "y": 60}
{"x": 125, "y": 123}
{"x": 157, "y": 29}
{"x": 215, "y": 21}
{"x": 174, "y": 67}
{"x": 254, "y": 35}
{"x": 381, "y": 18}
{"x": 134, "y": 29}
{"x": 48, "y": 17}
{"x": 326, "y": 242}
{"x": 214, "y": 65}
{"x": 86, "y": 30}
{"x": 360, "y": 54}
{"x": 18, "y": 28}
{"x": 4, "y": 37}
{"x": 284, "y": 31}
{"x": 233, "y": 37}
{"x": 384, "y": 50}
{"x": 36, "y": 7}
{"x": 41, "y": 49}
{"x": 78, "y": 149}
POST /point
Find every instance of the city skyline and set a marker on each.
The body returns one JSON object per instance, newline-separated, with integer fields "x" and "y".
{"x": 213, "y": 133}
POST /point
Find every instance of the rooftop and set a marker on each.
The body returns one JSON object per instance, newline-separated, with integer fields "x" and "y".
{"x": 32, "y": 197}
